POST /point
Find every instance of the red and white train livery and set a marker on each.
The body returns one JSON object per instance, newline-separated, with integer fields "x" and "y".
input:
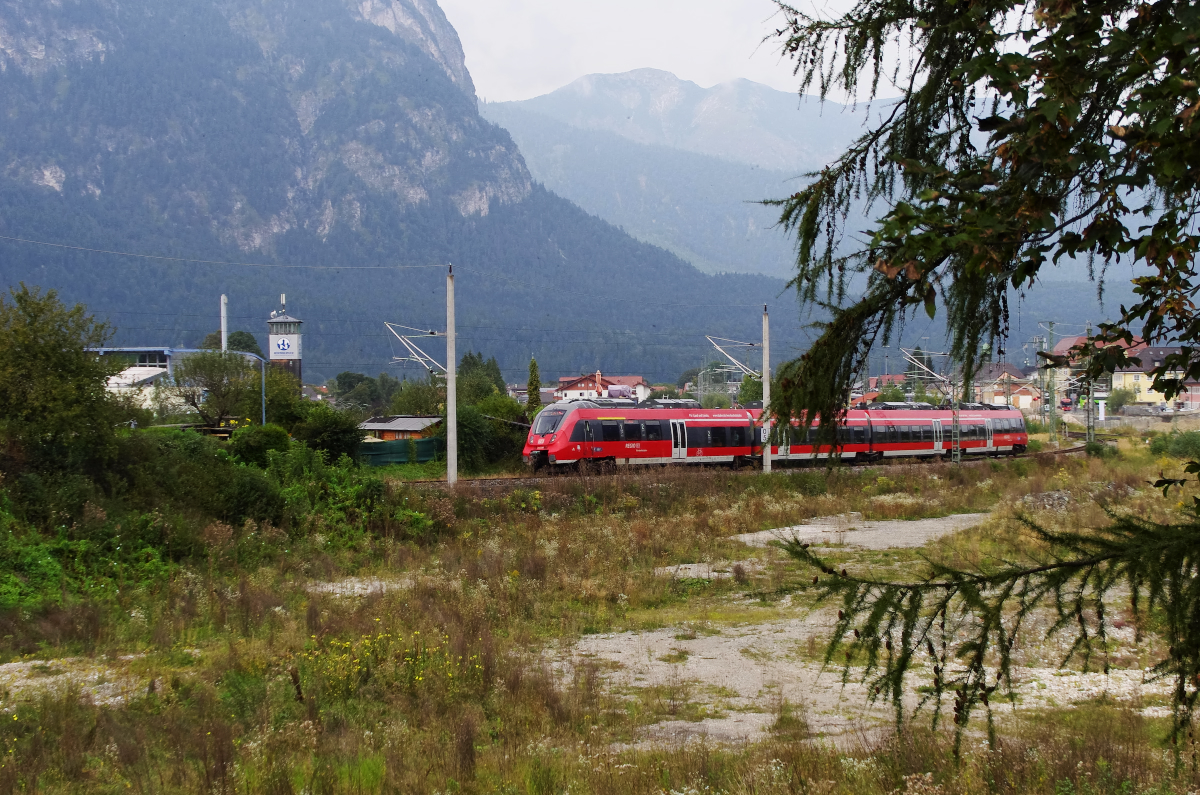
{"x": 576, "y": 431}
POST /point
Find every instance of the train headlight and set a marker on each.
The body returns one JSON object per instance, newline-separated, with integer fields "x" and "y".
{"x": 553, "y": 438}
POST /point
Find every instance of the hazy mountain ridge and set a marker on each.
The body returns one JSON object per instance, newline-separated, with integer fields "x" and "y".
{"x": 739, "y": 120}
{"x": 705, "y": 209}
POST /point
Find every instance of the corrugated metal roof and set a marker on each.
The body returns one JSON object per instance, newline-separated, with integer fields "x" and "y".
{"x": 136, "y": 376}
{"x": 399, "y": 423}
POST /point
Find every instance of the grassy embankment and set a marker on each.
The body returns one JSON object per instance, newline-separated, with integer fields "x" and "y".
{"x": 237, "y": 667}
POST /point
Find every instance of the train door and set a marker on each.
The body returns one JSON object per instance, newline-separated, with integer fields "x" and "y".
{"x": 589, "y": 437}
{"x": 988, "y": 424}
{"x": 678, "y": 439}
{"x": 937, "y": 436}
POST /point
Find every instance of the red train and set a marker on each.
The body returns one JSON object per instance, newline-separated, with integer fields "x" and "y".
{"x": 626, "y": 434}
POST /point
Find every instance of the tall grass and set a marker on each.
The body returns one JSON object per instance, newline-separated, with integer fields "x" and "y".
{"x": 452, "y": 679}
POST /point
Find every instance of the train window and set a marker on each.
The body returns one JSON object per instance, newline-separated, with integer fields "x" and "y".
{"x": 654, "y": 431}
{"x": 633, "y": 431}
{"x": 814, "y": 434}
{"x": 737, "y": 436}
{"x": 612, "y": 431}
{"x": 879, "y": 433}
{"x": 860, "y": 434}
{"x": 927, "y": 433}
{"x": 577, "y": 431}
{"x": 697, "y": 437}
{"x": 1020, "y": 425}
{"x": 903, "y": 433}
{"x": 547, "y": 421}
{"x": 719, "y": 437}
{"x": 843, "y": 435}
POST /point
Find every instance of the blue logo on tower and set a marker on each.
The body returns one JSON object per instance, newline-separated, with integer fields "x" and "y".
{"x": 283, "y": 345}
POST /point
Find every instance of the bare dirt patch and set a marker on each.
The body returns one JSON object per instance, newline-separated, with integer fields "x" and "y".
{"x": 744, "y": 673}
{"x": 851, "y": 529}
{"x": 103, "y": 682}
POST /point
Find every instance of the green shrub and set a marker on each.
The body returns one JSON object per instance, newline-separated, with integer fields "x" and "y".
{"x": 1035, "y": 446}
{"x": 1184, "y": 445}
{"x": 344, "y": 498}
{"x": 715, "y": 400}
{"x": 1119, "y": 399}
{"x": 252, "y": 443}
{"x": 335, "y": 433}
{"x": 174, "y": 471}
{"x": 1100, "y": 450}
{"x": 809, "y": 484}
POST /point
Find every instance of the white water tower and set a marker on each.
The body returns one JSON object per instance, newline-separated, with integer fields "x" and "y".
{"x": 285, "y": 340}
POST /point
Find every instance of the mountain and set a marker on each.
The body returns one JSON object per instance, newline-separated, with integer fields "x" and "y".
{"x": 680, "y": 166}
{"x": 705, "y": 209}
{"x": 328, "y": 141}
{"x": 740, "y": 121}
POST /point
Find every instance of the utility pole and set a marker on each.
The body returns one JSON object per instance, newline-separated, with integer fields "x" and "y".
{"x": 766, "y": 383}
{"x": 1088, "y": 389}
{"x": 451, "y": 386}
{"x": 1050, "y": 386}
{"x": 224, "y": 323}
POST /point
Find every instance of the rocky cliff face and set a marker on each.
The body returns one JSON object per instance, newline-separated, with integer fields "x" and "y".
{"x": 258, "y": 119}
{"x": 300, "y": 133}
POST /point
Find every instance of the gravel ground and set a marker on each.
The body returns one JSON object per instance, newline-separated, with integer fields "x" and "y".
{"x": 101, "y": 681}
{"x": 741, "y": 673}
{"x": 360, "y": 586}
{"x": 851, "y": 529}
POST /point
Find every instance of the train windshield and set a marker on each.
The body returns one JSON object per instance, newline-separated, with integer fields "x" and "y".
{"x": 547, "y": 421}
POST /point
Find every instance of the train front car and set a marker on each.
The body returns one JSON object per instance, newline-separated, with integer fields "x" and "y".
{"x": 543, "y": 437}
{"x": 628, "y": 435}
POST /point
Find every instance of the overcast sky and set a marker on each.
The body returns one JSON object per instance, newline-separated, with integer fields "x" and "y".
{"x": 517, "y": 49}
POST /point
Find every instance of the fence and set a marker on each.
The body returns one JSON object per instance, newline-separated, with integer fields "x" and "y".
{"x": 401, "y": 451}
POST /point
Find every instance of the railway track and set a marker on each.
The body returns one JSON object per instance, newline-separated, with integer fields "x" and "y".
{"x": 1100, "y": 437}
{"x": 525, "y": 481}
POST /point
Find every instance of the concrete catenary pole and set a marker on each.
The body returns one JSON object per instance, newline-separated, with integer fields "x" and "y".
{"x": 451, "y": 386}
{"x": 224, "y": 323}
{"x": 766, "y": 383}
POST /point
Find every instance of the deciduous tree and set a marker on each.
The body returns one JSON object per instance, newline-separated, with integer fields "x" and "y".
{"x": 54, "y": 409}
{"x": 1024, "y": 133}
{"x": 212, "y": 383}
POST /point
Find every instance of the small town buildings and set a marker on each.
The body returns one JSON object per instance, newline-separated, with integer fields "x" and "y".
{"x": 1137, "y": 379}
{"x": 520, "y": 393}
{"x": 391, "y": 428}
{"x": 1004, "y": 384}
{"x": 876, "y": 383}
{"x": 147, "y": 369}
{"x": 597, "y": 385}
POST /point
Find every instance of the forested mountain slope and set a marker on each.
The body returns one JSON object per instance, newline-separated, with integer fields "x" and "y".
{"x": 317, "y": 133}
